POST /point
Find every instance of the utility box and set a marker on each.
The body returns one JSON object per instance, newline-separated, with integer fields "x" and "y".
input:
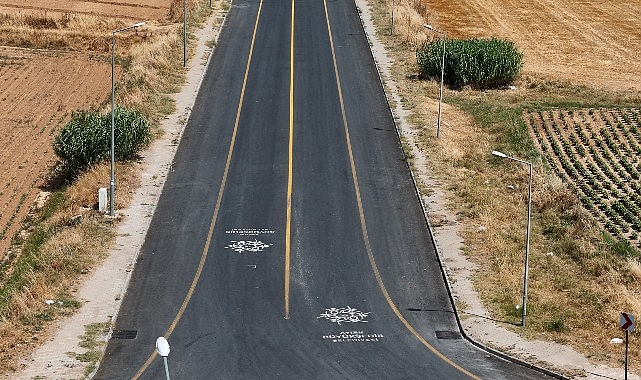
{"x": 102, "y": 199}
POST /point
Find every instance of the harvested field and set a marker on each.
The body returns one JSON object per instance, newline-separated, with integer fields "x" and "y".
{"x": 37, "y": 93}
{"x": 130, "y": 10}
{"x": 588, "y": 42}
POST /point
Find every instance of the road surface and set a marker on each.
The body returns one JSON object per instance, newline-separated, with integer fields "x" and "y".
{"x": 289, "y": 242}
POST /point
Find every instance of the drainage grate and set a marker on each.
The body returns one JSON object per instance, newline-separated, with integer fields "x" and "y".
{"x": 124, "y": 334}
{"x": 448, "y": 335}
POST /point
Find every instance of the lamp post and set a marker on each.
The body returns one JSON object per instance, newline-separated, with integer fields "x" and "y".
{"x": 527, "y": 232}
{"x": 162, "y": 347}
{"x": 112, "y": 183}
{"x": 440, "y": 96}
{"x": 392, "y": 29}
{"x": 185, "y": 33}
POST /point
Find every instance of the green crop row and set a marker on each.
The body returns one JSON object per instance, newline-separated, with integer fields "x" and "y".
{"x": 597, "y": 160}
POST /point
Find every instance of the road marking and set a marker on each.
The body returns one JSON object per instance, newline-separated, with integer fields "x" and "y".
{"x": 212, "y": 225}
{"x": 361, "y": 213}
{"x": 253, "y": 246}
{"x": 344, "y": 315}
{"x": 290, "y": 171}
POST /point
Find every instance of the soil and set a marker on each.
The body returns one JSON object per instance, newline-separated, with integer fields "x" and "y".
{"x": 129, "y": 10}
{"x": 567, "y": 40}
{"x": 102, "y": 293}
{"x": 39, "y": 91}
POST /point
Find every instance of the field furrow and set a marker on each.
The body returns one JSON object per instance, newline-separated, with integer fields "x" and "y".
{"x": 39, "y": 96}
{"x": 595, "y": 153}
{"x": 130, "y": 10}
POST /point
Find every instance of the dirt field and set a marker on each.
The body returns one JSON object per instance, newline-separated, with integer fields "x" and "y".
{"x": 589, "y": 42}
{"x": 140, "y": 10}
{"x": 38, "y": 92}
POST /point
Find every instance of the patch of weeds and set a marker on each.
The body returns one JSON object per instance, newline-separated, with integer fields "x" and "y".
{"x": 28, "y": 262}
{"x": 568, "y": 247}
{"x": 511, "y": 311}
{"x": 500, "y": 119}
{"x": 595, "y": 300}
{"x": 55, "y": 202}
{"x": 93, "y": 342}
{"x": 47, "y": 317}
{"x": 30, "y": 258}
{"x": 619, "y": 247}
{"x": 556, "y": 324}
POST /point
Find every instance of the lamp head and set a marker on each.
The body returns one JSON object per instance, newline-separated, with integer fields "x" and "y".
{"x": 162, "y": 346}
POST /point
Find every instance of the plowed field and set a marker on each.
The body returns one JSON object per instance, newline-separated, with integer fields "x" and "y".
{"x": 37, "y": 93}
{"x": 140, "y": 10}
{"x": 590, "y": 42}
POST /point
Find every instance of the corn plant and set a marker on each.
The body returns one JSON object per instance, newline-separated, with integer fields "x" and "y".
{"x": 479, "y": 63}
{"x": 86, "y": 139}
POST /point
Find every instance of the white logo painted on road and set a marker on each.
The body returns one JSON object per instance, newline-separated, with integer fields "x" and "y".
{"x": 253, "y": 246}
{"x": 344, "y": 315}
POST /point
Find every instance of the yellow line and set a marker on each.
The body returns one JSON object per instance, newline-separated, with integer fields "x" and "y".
{"x": 361, "y": 213}
{"x": 212, "y": 225}
{"x": 290, "y": 175}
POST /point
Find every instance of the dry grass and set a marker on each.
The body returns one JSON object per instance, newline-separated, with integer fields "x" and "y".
{"x": 63, "y": 239}
{"x": 580, "y": 279}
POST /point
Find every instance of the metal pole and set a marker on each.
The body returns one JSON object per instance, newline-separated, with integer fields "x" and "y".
{"x": 527, "y": 246}
{"x": 113, "y": 85}
{"x": 112, "y": 182}
{"x": 440, "y": 96}
{"x": 626, "y": 354}
{"x": 184, "y": 33}
{"x": 392, "y": 31}
{"x": 527, "y": 232}
{"x": 166, "y": 367}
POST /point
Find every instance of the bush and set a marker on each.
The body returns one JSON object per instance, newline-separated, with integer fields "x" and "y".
{"x": 479, "y": 63}
{"x": 86, "y": 139}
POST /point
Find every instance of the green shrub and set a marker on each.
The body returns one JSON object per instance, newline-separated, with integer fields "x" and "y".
{"x": 479, "y": 63}
{"x": 86, "y": 139}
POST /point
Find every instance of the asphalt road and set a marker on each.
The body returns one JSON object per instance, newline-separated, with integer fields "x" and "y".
{"x": 289, "y": 242}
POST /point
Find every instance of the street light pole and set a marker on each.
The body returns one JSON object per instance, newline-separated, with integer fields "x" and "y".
{"x": 527, "y": 232}
{"x": 162, "y": 347}
{"x": 184, "y": 33}
{"x": 392, "y": 29}
{"x": 112, "y": 183}
{"x": 440, "y": 96}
